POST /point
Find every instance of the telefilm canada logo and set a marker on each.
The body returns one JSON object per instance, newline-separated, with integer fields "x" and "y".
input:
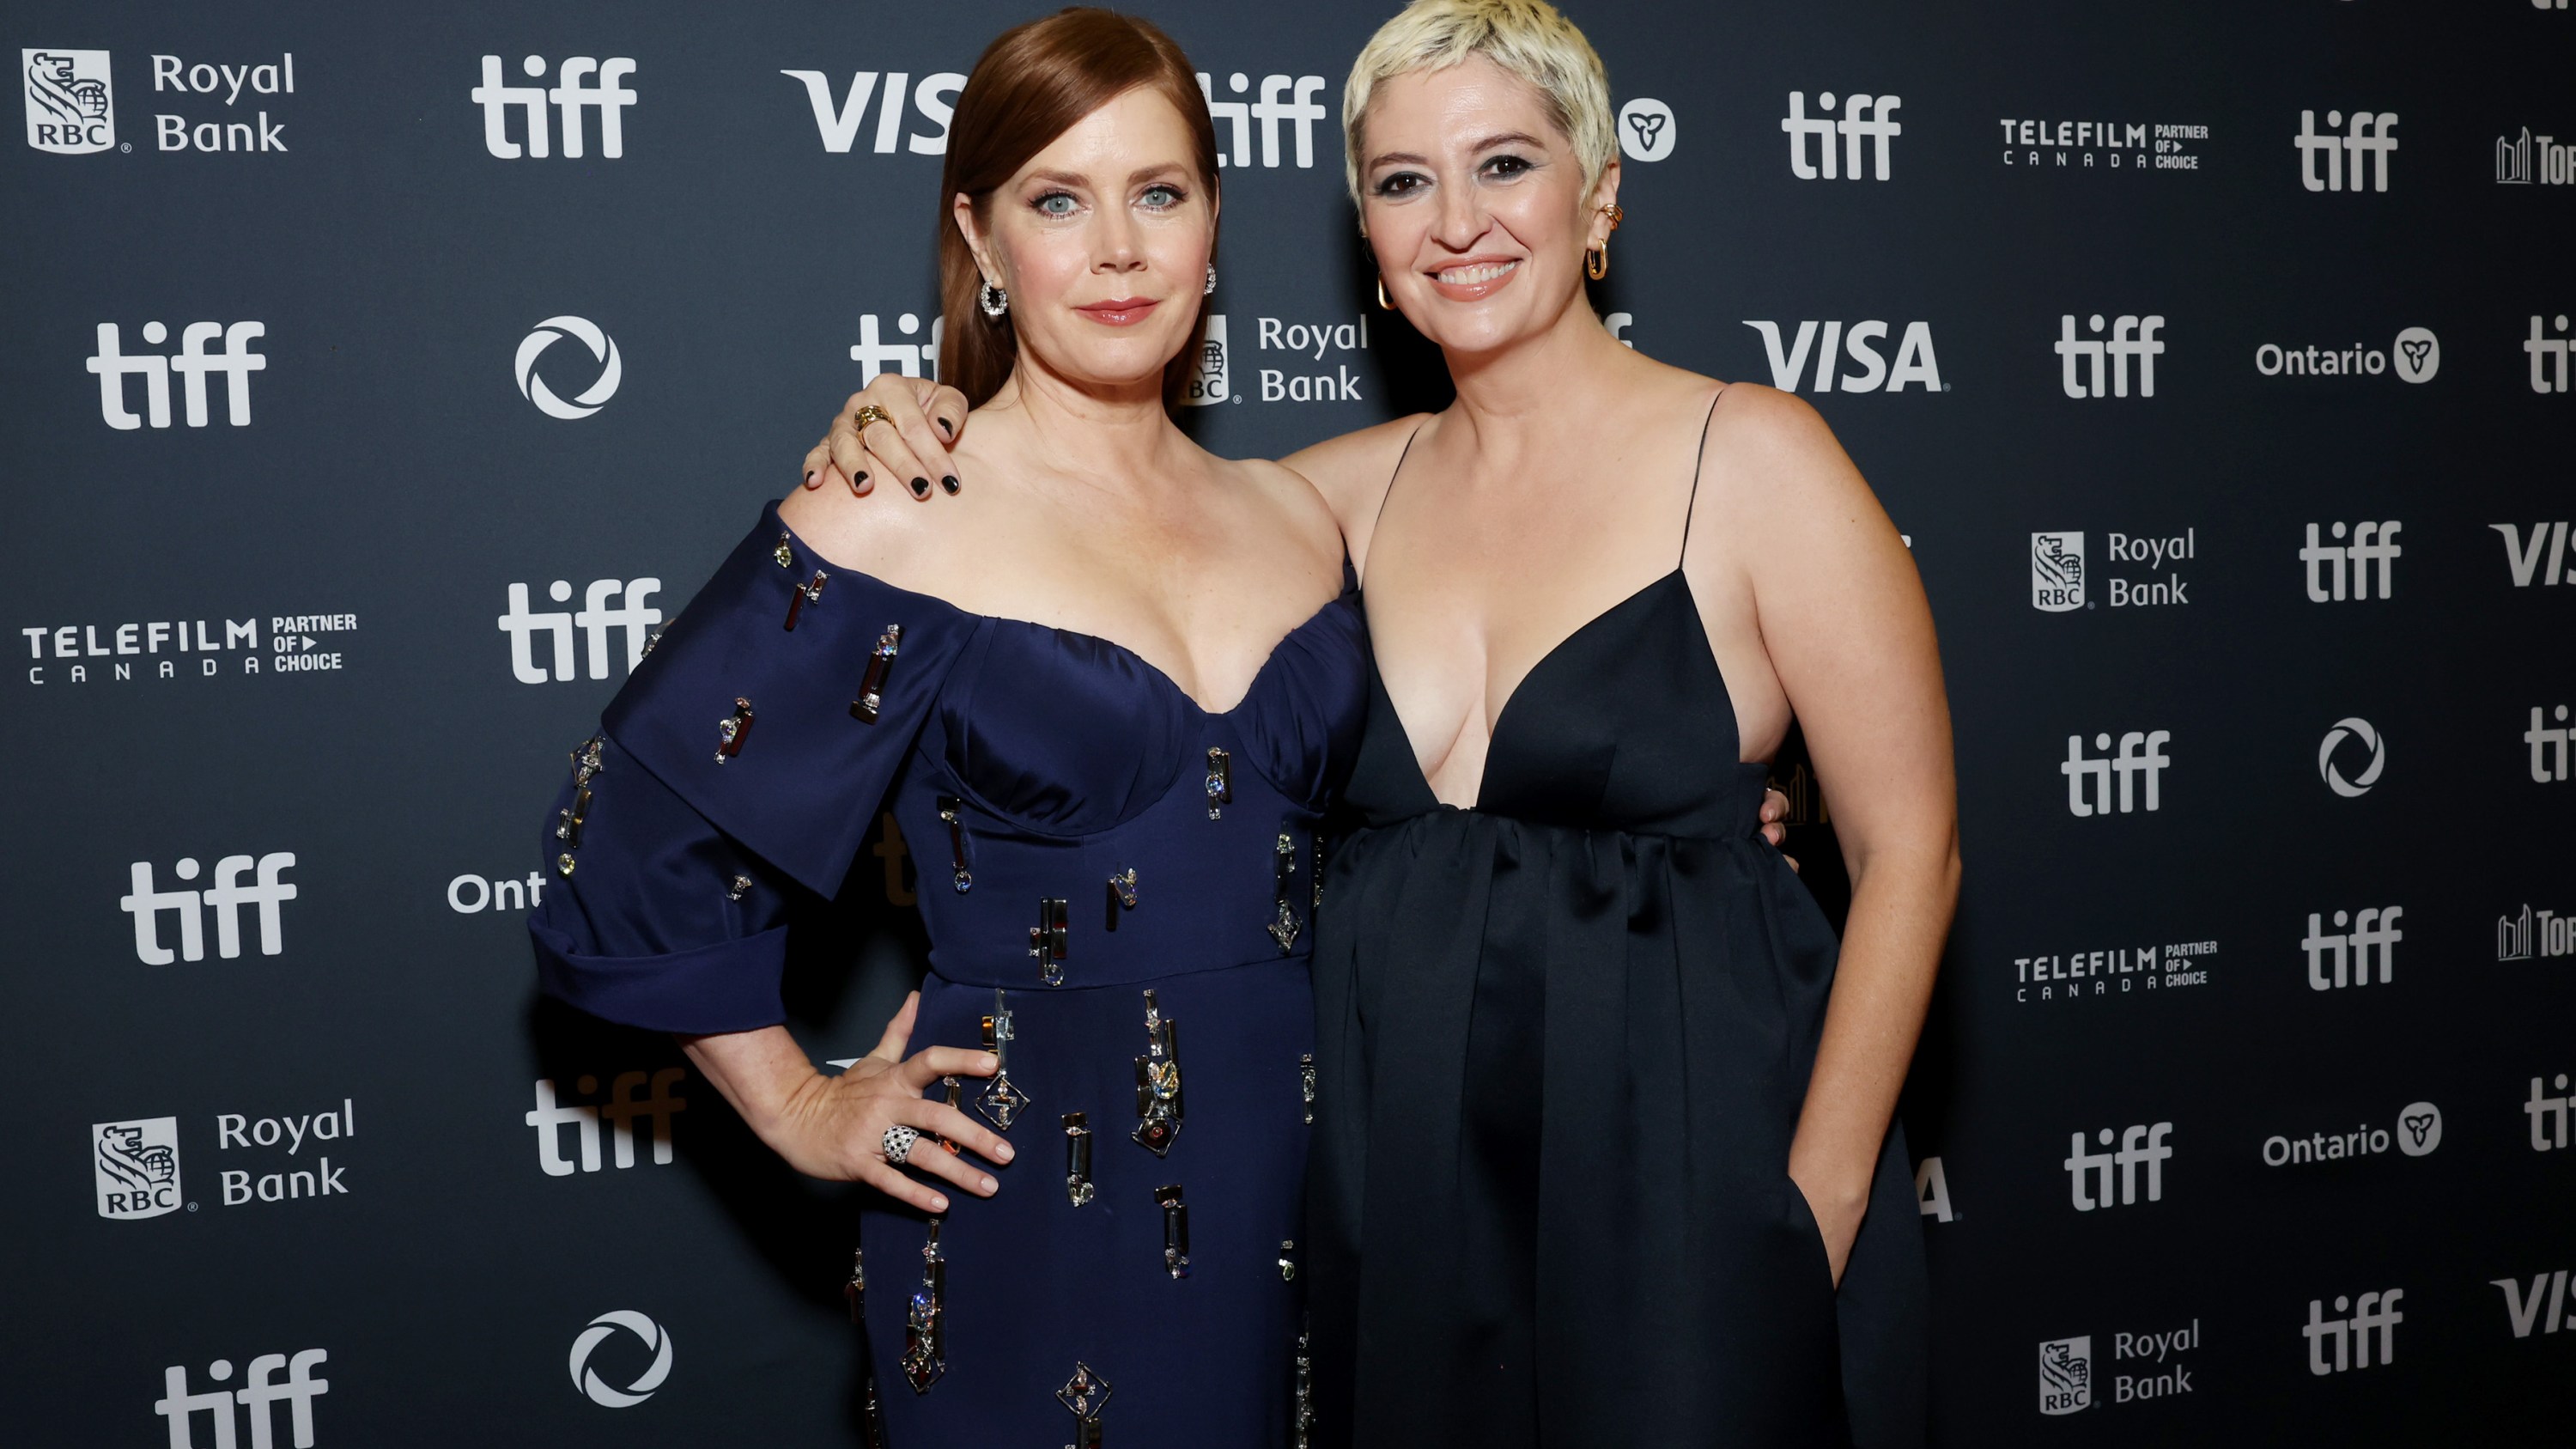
{"x": 2112, "y": 971}
{"x": 187, "y": 648}
{"x": 2091, "y": 145}
{"x": 71, "y": 101}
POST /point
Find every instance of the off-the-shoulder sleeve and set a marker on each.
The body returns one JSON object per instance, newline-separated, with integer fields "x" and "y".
{"x": 744, "y": 761}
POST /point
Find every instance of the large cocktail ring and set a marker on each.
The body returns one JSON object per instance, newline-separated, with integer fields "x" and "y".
{"x": 898, "y": 1144}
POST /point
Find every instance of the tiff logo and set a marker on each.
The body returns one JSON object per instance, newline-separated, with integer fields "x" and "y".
{"x": 874, "y": 354}
{"x": 2548, "y": 1115}
{"x": 2522, "y": 1310}
{"x": 2141, "y": 753}
{"x": 2090, "y": 1172}
{"x": 236, "y": 362}
{"x": 620, "y": 1110}
{"x": 1289, "y": 98}
{"x": 2351, "y": 951}
{"x": 581, "y": 82}
{"x": 596, "y": 617}
{"x": 2328, "y": 563}
{"x": 226, "y": 896}
{"x": 1915, "y": 362}
{"x": 260, "y": 1396}
{"x": 2548, "y": 355}
{"x": 2351, "y": 1336}
{"x": 839, "y": 122}
{"x": 2523, "y": 558}
{"x": 2368, "y": 139}
{"x": 2130, "y": 337}
{"x": 1865, "y": 118}
{"x": 2548, "y": 746}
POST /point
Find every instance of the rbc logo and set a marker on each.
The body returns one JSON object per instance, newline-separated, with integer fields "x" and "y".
{"x": 2066, "y": 1375}
{"x": 2056, "y": 572}
{"x": 1208, "y": 380}
{"x": 137, "y": 1167}
{"x": 581, "y": 82}
{"x": 71, "y": 107}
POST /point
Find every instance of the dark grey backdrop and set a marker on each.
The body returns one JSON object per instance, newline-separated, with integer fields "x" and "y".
{"x": 393, "y": 484}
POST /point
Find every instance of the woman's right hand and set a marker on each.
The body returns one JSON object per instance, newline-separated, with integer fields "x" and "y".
{"x": 834, "y": 1127}
{"x": 912, "y": 449}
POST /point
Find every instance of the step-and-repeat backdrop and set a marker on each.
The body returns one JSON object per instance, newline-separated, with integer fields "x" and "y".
{"x": 379, "y": 377}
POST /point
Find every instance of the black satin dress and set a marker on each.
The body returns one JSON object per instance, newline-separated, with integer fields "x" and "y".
{"x": 1563, "y": 1041}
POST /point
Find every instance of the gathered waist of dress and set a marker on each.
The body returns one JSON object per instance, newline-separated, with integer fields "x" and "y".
{"x": 986, "y": 970}
{"x": 1748, "y": 835}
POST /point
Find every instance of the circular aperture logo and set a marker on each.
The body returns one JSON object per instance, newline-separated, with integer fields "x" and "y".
{"x": 601, "y": 1328}
{"x": 1646, "y": 130}
{"x": 2332, "y": 754}
{"x": 603, "y": 350}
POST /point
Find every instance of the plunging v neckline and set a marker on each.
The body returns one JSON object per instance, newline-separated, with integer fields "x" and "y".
{"x": 1503, "y": 716}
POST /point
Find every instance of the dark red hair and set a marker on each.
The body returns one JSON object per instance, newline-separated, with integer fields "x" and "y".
{"x": 1034, "y": 82}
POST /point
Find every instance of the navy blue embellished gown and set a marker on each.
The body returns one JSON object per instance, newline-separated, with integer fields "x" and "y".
{"x": 1087, "y": 838}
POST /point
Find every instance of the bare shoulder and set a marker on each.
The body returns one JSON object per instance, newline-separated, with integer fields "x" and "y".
{"x": 854, "y": 531}
{"x": 1298, "y": 508}
{"x": 1351, "y": 471}
{"x": 1775, "y": 450}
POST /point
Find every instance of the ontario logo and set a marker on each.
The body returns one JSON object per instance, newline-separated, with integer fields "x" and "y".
{"x": 71, "y": 107}
{"x": 137, "y": 1166}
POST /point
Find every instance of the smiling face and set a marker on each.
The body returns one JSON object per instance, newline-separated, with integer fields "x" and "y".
{"x": 1475, "y": 205}
{"x": 1102, "y": 240}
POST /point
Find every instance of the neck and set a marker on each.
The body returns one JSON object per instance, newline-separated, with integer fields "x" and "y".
{"x": 1114, "y": 430}
{"x": 1534, "y": 384}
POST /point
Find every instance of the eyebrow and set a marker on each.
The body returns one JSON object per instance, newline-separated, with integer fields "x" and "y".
{"x": 1505, "y": 138}
{"x": 1070, "y": 178}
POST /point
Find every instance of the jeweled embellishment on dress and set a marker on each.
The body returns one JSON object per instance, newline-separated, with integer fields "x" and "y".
{"x": 1176, "y": 1231}
{"x": 925, "y": 1328}
{"x": 872, "y": 685}
{"x": 1158, "y": 1082}
{"x": 1220, "y": 782}
{"x": 1084, "y": 1396}
{"x": 1003, "y": 1101}
{"x": 732, "y": 730}
{"x": 1077, "y": 1158}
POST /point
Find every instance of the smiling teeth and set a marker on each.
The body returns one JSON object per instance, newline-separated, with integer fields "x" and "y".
{"x": 1470, "y": 276}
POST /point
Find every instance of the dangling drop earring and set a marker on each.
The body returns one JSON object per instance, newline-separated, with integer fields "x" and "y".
{"x": 1596, "y": 260}
{"x": 1211, "y": 281}
{"x": 1383, "y": 304}
{"x": 994, "y": 300}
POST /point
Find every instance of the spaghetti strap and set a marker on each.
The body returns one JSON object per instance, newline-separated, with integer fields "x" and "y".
{"x": 1390, "y": 482}
{"x": 1698, "y": 461}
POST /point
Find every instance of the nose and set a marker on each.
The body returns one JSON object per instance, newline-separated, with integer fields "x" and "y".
{"x": 1116, "y": 243}
{"x": 1459, "y": 219}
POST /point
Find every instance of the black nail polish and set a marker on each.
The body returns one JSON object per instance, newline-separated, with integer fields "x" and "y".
{"x": 809, "y": 477}
{"x": 855, "y": 480}
{"x": 920, "y": 487}
{"x": 945, "y": 427}
{"x": 949, "y": 483}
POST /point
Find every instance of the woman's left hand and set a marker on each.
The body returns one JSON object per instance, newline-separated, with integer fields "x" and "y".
{"x": 1775, "y": 811}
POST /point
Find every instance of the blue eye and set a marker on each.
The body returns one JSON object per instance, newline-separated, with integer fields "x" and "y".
{"x": 1162, "y": 197}
{"x": 1047, "y": 204}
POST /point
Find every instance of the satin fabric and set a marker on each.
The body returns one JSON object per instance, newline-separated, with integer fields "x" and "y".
{"x": 1070, "y": 760}
{"x": 1564, "y": 1039}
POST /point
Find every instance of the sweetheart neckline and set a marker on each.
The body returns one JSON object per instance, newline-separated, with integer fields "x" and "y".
{"x": 1485, "y": 772}
{"x": 1253, "y": 686}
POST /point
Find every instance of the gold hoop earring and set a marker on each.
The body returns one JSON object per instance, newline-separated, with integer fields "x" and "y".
{"x": 1596, "y": 262}
{"x": 1383, "y": 304}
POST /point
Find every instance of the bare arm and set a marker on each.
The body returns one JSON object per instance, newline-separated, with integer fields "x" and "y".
{"x": 1849, "y": 633}
{"x": 834, "y": 1127}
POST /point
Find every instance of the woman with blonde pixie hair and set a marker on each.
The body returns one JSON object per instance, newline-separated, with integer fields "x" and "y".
{"x": 1606, "y": 1149}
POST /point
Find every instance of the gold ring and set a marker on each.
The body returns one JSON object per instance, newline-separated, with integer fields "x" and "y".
{"x": 871, "y": 413}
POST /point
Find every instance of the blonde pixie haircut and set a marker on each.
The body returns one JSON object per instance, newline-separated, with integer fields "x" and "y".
{"x": 1527, "y": 38}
